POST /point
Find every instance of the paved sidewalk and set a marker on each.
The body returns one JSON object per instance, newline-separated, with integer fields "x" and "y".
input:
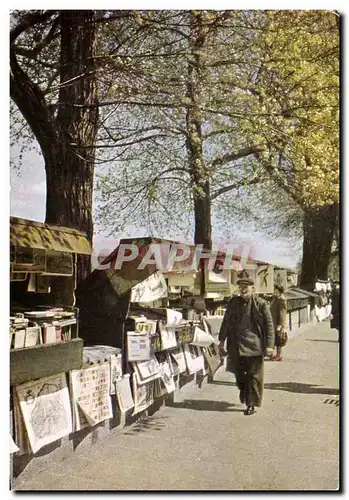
{"x": 204, "y": 442}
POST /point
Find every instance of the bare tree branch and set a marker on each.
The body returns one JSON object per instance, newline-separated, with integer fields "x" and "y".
{"x": 242, "y": 153}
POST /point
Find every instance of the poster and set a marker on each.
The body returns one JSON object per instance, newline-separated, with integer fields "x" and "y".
{"x": 147, "y": 370}
{"x": 167, "y": 376}
{"x": 202, "y": 338}
{"x": 124, "y": 394}
{"x": 173, "y": 317}
{"x": 265, "y": 279}
{"x": 193, "y": 361}
{"x": 280, "y": 278}
{"x": 179, "y": 358}
{"x": 90, "y": 394}
{"x": 143, "y": 395}
{"x": 45, "y": 406}
{"x": 167, "y": 337}
{"x": 138, "y": 346}
{"x": 115, "y": 371}
{"x": 152, "y": 288}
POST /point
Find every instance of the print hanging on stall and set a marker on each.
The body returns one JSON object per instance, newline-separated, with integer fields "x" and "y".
{"x": 280, "y": 278}
{"x": 143, "y": 394}
{"x": 124, "y": 393}
{"x": 265, "y": 279}
{"x": 115, "y": 371}
{"x": 90, "y": 394}
{"x": 45, "y": 406}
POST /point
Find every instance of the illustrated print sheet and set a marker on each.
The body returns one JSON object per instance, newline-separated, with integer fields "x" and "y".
{"x": 143, "y": 394}
{"x": 90, "y": 392}
{"x": 265, "y": 279}
{"x": 167, "y": 375}
{"x": 147, "y": 370}
{"x": 193, "y": 361}
{"x": 46, "y": 410}
{"x": 167, "y": 336}
{"x": 115, "y": 371}
{"x": 178, "y": 356}
{"x": 280, "y": 277}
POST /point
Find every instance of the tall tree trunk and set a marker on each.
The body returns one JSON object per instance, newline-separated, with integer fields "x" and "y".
{"x": 66, "y": 139}
{"x": 318, "y": 231}
{"x": 69, "y": 163}
{"x": 197, "y": 166}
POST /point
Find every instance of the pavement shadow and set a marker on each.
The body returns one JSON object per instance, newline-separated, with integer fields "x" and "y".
{"x": 322, "y": 340}
{"x": 301, "y": 388}
{"x": 205, "y": 405}
{"x": 222, "y": 382}
{"x": 147, "y": 424}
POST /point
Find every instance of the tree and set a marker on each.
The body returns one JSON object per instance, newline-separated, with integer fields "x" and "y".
{"x": 303, "y": 96}
{"x": 64, "y": 128}
{"x": 215, "y": 101}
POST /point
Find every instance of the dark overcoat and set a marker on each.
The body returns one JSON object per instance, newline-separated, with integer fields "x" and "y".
{"x": 262, "y": 319}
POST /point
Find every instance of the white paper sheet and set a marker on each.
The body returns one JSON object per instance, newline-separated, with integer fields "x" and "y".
{"x": 201, "y": 338}
{"x": 147, "y": 370}
{"x": 194, "y": 364}
{"x": 178, "y": 356}
{"x": 19, "y": 339}
{"x": 90, "y": 391}
{"x": 214, "y": 323}
{"x": 167, "y": 378}
{"x": 13, "y": 446}
{"x": 150, "y": 289}
{"x": 124, "y": 393}
{"x": 115, "y": 371}
{"x": 45, "y": 406}
{"x": 173, "y": 317}
{"x": 32, "y": 336}
{"x": 138, "y": 346}
{"x": 168, "y": 337}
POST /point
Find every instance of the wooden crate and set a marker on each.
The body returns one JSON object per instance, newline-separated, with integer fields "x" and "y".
{"x": 40, "y": 361}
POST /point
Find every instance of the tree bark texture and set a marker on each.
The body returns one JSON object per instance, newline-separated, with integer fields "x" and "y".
{"x": 66, "y": 139}
{"x": 198, "y": 168}
{"x": 318, "y": 231}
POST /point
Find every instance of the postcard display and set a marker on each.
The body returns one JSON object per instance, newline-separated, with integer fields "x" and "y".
{"x": 158, "y": 353}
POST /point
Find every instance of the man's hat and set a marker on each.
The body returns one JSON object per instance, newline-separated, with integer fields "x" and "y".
{"x": 279, "y": 288}
{"x": 244, "y": 279}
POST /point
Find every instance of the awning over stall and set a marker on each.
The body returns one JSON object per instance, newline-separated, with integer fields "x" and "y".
{"x": 31, "y": 234}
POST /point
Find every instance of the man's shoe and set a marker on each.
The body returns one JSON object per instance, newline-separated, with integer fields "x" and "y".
{"x": 249, "y": 410}
{"x": 242, "y": 396}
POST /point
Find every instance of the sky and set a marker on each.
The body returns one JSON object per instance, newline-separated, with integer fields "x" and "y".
{"x": 28, "y": 191}
{"x": 28, "y": 198}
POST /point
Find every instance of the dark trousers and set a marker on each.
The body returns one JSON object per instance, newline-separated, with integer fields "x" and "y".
{"x": 249, "y": 378}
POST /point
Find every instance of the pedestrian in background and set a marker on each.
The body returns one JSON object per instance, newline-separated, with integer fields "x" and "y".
{"x": 279, "y": 314}
{"x": 248, "y": 328}
{"x": 335, "y": 310}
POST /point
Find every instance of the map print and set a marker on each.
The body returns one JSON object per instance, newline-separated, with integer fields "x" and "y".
{"x": 46, "y": 410}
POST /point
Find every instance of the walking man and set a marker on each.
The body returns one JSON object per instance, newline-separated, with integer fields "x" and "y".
{"x": 248, "y": 328}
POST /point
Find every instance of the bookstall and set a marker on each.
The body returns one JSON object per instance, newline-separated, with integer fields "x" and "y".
{"x": 44, "y": 329}
{"x": 141, "y": 343}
